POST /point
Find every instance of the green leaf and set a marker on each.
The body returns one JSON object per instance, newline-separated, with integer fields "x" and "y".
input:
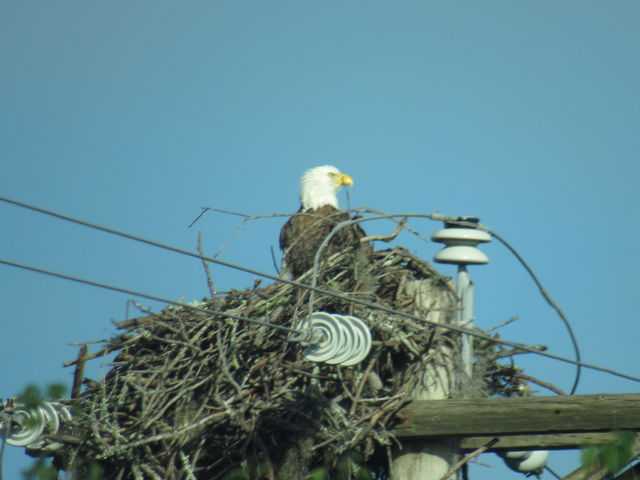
{"x": 613, "y": 456}
{"x": 589, "y": 456}
{"x": 40, "y": 470}
{"x": 320, "y": 473}
{"x": 96, "y": 472}
{"x": 31, "y": 396}
{"x": 56, "y": 391}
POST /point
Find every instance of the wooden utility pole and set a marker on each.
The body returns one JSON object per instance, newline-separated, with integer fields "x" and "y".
{"x": 424, "y": 458}
{"x": 560, "y": 422}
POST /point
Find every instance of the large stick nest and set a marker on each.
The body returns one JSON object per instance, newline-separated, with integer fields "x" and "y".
{"x": 198, "y": 395}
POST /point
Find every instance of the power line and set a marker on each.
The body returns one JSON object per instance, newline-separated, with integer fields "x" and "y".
{"x": 533, "y": 276}
{"x": 323, "y": 291}
{"x": 114, "y": 288}
{"x": 400, "y": 218}
{"x": 214, "y": 260}
{"x": 515, "y": 345}
{"x": 551, "y": 302}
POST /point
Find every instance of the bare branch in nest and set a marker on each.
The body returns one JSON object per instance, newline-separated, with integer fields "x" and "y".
{"x": 386, "y": 238}
{"x": 537, "y": 381}
{"x": 503, "y": 324}
{"x": 469, "y": 457}
{"x": 400, "y": 219}
{"x": 200, "y": 394}
{"x": 78, "y": 375}
{"x": 205, "y": 264}
{"x": 100, "y": 353}
{"x": 517, "y": 351}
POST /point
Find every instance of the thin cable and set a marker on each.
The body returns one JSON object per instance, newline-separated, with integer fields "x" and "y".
{"x": 390, "y": 311}
{"x": 146, "y": 295}
{"x": 632, "y": 463}
{"x": 325, "y": 242}
{"x": 551, "y": 302}
{"x": 543, "y": 291}
{"x": 222, "y": 262}
{"x": 552, "y": 472}
{"x": 330, "y": 293}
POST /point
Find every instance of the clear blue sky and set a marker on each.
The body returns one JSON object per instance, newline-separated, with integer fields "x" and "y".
{"x": 135, "y": 114}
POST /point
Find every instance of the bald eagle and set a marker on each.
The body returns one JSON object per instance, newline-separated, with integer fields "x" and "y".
{"x": 304, "y": 232}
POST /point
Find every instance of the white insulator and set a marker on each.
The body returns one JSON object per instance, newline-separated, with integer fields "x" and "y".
{"x": 28, "y": 425}
{"x": 526, "y": 461}
{"x": 336, "y": 339}
{"x": 460, "y": 243}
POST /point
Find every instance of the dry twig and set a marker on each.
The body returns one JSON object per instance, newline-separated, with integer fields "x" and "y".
{"x": 225, "y": 391}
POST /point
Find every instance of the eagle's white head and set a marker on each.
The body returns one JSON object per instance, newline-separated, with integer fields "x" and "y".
{"x": 319, "y": 186}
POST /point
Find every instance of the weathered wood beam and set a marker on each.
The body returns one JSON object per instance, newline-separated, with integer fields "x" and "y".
{"x": 557, "y": 441}
{"x": 574, "y": 414}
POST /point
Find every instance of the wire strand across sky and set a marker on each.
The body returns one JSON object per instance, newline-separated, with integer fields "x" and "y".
{"x": 359, "y": 301}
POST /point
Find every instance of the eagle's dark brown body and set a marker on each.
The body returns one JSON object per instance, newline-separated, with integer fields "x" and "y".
{"x": 304, "y": 232}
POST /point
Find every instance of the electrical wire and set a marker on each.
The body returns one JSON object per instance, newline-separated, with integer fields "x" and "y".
{"x": 215, "y": 260}
{"x": 432, "y": 216}
{"x": 339, "y": 295}
{"x": 551, "y": 302}
{"x": 454, "y": 328}
{"x": 533, "y": 276}
{"x": 552, "y": 472}
{"x": 114, "y": 288}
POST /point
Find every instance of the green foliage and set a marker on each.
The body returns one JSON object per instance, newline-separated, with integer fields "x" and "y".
{"x": 320, "y": 473}
{"x": 346, "y": 467}
{"x": 270, "y": 305}
{"x": 245, "y": 472}
{"x": 238, "y": 473}
{"x": 613, "y": 456}
{"x": 56, "y": 391}
{"x": 41, "y": 469}
{"x": 32, "y": 396}
{"x": 95, "y": 472}
{"x": 350, "y": 466}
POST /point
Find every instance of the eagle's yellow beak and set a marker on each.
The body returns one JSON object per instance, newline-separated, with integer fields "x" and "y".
{"x": 345, "y": 179}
